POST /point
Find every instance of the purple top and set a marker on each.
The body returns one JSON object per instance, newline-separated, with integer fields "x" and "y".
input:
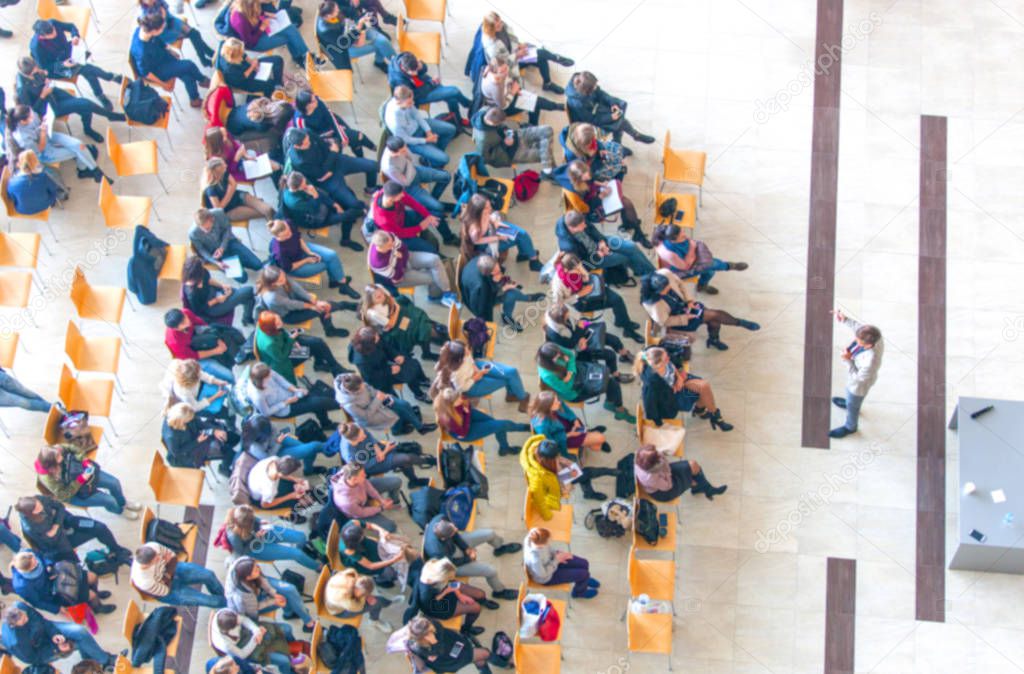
{"x": 247, "y": 33}
{"x": 287, "y": 252}
{"x": 381, "y": 263}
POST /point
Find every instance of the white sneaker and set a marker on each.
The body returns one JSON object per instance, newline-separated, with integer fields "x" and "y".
{"x": 133, "y": 505}
{"x": 130, "y": 514}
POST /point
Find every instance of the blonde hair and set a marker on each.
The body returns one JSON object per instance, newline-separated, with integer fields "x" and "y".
{"x": 215, "y": 166}
{"x": 179, "y": 415}
{"x": 491, "y": 20}
{"x": 438, "y": 572}
{"x": 28, "y": 162}
{"x": 241, "y": 519}
{"x": 380, "y": 238}
{"x": 185, "y": 372}
{"x": 402, "y": 93}
{"x": 23, "y": 560}
{"x": 444, "y": 404}
{"x": 233, "y": 50}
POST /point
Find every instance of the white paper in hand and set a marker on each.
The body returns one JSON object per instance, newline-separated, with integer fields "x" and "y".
{"x": 526, "y": 100}
{"x": 278, "y": 22}
{"x": 257, "y": 168}
{"x": 570, "y": 473}
{"x": 613, "y": 202}
{"x": 78, "y": 52}
{"x": 531, "y": 55}
{"x": 264, "y": 72}
{"x": 232, "y": 266}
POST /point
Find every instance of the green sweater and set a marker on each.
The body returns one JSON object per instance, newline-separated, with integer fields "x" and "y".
{"x": 274, "y": 351}
{"x": 563, "y": 388}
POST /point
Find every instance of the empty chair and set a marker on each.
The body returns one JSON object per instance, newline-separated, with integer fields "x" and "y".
{"x": 560, "y": 524}
{"x": 425, "y": 45}
{"x": 539, "y": 658}
{"x": 121, "y": 211}
{"x": 97, "y": 303}
{"x": 684, "y": 166}
{"x": 428, "y": 10}
{"x": 15, "y": 288}
{"x": 175, "y": 486}
{"x": 331, "y": 86}
{"x": 174, "y": 263}
{"x": 133, "y": 159}
{"x": 20, "y": 249}
{"x": 92, "y": 354}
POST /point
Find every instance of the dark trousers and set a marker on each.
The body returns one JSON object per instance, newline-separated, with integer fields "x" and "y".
{"x": 348, "y": 165}
{"x": 241, "y": 296}
{"x": 93, "y": 75}
{"x": 87, "y": 529}
{"x": 314, "y": 404}
{"x": 82, "y": 107}
{"x": 321, "y": 353}
{"x": 186, "y": 71}
{"x": 575, "y": 570}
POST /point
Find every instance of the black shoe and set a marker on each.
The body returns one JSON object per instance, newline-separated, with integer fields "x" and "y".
{"x": 296, "y": 518}
{"x": 738, "y": 266}
{"x": 840, "y": 432}
{"x": 594, "y": 495}
{"x": 6, "y": 33}
{"x": 242, "y": 356}
{"x": 95, "y": 136}
{"x": 553, "y": 88}
{"x": 507, "y": 594}
{"x": 351, "y": 245}
{"x": 104, "y": 594}
{"x": 102, "y": 609}
{"x": 717, "y": 344}
{"x": 92, "y": 148}
{"x": 711, "y": 492}
{"x": 429, "y": 355}
{"x": 507, "y": 549}
{"x": 421, "y": 395}
{"x": 418, "y": 482}
{"x": 508, "y": 451}
{"x": 224, "y": 468}
{"x": 336, "y": 332}
{"x": 348, "y": 291}
{"x": 203, "y": 3}
{"x": 535, "y": 297}
{"x": 106, "y": 103}
{"x": 475, "y": 630}
{"x": 535, "y": 265}
{"x": 428, "y": 461}
{"x": 626, "y": 152}
{"x": 839, "y": 402}
{"x": 426, "y": 428}
{"x": 511, "y": 322}
{"x": 606, "y": 448}
{"x": 318, "y": 470}
{"x": 749, "y": 325}
{"x": 383, "y": 67}
{"x": 308, "y": 628}
{"x": 644, "y": 138}
{"x": 707, "y": 288}
{"x": 452, "y": 240}
{"x": 717, "y": 423}
{"x": 490, "y": 604}
{"x": 406, "y": 429}
{"x": 634, "y": 335}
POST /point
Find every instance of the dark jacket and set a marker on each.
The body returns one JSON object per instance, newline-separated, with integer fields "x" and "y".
{"x": 32, "y": 643}
{"x": 479, "y": 293}
{"x": 375, "y": 367}
{"x": 475, "y": 62}
{"x": 419, "y": 91}
{"x": 183, "y": 447}
{"x": 142, "y": 271}
{"x": 335, "y": 40}
{"x": 315, "y": 161}
{"x": 58, "y": 546}
{"x": 568, "y": 243}
{"x": 51, "y": 54}
{"x": 153, "y": 634}
{"x": 454, "y": 548}
{"x": 27, "y": 91}
{"x": 32, "y": 193}
{"x": 595, "y": 108}
{"x": 659, "y": 400}
{"x": 490, "y": 141}
{"x": 37, "y": 588}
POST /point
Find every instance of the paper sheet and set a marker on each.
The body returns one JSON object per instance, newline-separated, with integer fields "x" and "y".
{"x": 264, "y": 72}
{"x": 526, "y": 100}
{"x": 613, "y": 202}
{"x": 531, "y": 55}
{"x": 257, "y": 168}
{"x": 78, "y": 52}
{"x": 279, "y": 22}
{"x": 233, "y": 266}
{"x": 570, "y": 473}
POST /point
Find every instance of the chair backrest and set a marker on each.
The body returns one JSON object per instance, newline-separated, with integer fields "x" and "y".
{"x": 400, "y": 31}
{"x": 8, "y": 349}
{"x": 333, "y": 539}
{"x": 132, "y": 617}
{"x": 314, "y": 646}
{"x": 19, "y": 250}
{"x": 147, "y": 517}
{"x": 47, "y": 9}
{"x": 7, "y": 666}
{"x": 666, "y": 150}
{"x": 318, "y": 590}
{"x": 106, "y": 196}
{"x": 157, "y": 474}
{"x": 51, "y": 429}
{"x": 73, "y": 343}
{"x": 114, "y": 150}
{"x": 5, "y": 179}
{"x": 66, "y": 388}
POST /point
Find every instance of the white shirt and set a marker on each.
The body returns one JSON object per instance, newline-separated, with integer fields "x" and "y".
{"x": 261, "y": 487}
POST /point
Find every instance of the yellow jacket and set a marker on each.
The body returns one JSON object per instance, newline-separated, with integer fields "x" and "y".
{"x": 542, "y": 485}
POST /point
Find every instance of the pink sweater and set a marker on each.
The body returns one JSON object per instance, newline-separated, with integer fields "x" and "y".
{"x": 352, "y": 500}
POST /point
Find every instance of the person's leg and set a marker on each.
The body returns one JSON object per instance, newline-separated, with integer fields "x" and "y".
{"x": 445, "y": 131}
{"x": 242, "y": 296}
{"x": 108, "y": 494}
{"x": 292, "y": 597}
{"x": 567, "y": 572}
{"x": 705, "y": 397}
{"x": 451, "y": 96}
{"x": 217, "y": 369}
{"x": 523, "y": 241}
{"x": 264, "y": 210}
{"x": 618, "y": 307}
{"x": 14, "y": 394}
{"x": 322, "y": 356}
{"x": 9, "y": 539}
{"x": 187, "y": 574}
{"x": 304, "y": 451}
{"x": 440, "y": 179}
{"x": 509, "y": 300}
{"x": 267, "y": 550}
{"x": 88, "y": 529}
{"x": 625, "y": 251}
{"x": 406, "y": 414}
{"x": 203, "y": 50}
{"x": 613, "y": 394}
{"x": 348, "y": 165}
{"x": 159, "y": 661}
{"x": 853, "y": 403}
{"x": 335, "y": 272}
{"x": 92, "y": 75}
{"x": 281, "y": 661}
{"x": 709, "y": 273}
{"x": 431, "y": 154}
{"x": 388, "y": 485}
{"x": 381, "y": 45}
{"x": 381, "y": 521}
{"x": 316, "y": 405}
{"x": 509, "y": 377}
{"x": 543, "y": 56}
{"x": 430, "y": 264}
{"x": 428, "y": 200}
{"x": 79, "y": 635}
{"x": 485, "y": 571}
{"x": 187, "y": 72}
{"x": 246, "y": 257}
{"x": 481, "y": 425}
{"x": 82, "y": 157}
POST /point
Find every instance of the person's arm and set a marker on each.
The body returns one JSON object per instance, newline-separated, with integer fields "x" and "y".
{"x": 355, "y": 510}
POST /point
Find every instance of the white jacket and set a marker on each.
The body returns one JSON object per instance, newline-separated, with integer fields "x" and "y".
{"x": 862, "y": 369}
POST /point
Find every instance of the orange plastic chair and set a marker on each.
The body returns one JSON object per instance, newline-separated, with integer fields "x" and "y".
{"x": 7, "y": 666}
{"x": 666, "y": 543}
{"x": 8, "y": 349}
{"x": 574, "y": 202}
{"x": 52, "y": 434}
{"x": 89, "y": 394}
{"x": 133, "y": 159}
{"x": 426, "y": 46}
{"x": 510, "y": 191}
{"x": 161, "y": 123}
{"x": 97, "y": 303}
{"x": 321, "y": 610}
{"x": 650, "y": 633}
{"x": 175, "y": 486}
{"x": 79, "y": 16}
{"x": 560, "y": 524}
{"x": 654, "y": 577}
{"x": 333, "y": 550}
{"x": 123, "y": 211}
{"x": 174, "y": 263}
{"x": 331, "y": 86}
{"x": 93, "y": 354}
{"x": 191, "y": 532}
{"x": 539, "y": 658}
{"x": 5, "y": 179}
{"x": 19, "y": 249}
{"x": 557, "y": 604}
{"x": 671, "y": 435}
{"x": 124, "y": 666}
{"x": 134, "y": 616}
{"x": 687, "y": 203}
{"x": 15, "y": 288}
{"x": 428, "y": 10}
{"x": 684, "y": 166}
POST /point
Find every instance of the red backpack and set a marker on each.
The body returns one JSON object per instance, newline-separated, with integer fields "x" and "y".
{"x": 550, "y": 622}
{"x": 526, "y": 185}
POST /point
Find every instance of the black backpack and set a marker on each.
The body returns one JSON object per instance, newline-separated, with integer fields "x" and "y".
{"x": 142, "y": 103}
{"x": 625, "y": 483}
{"x": 605, "y": 528}
{"x": 167, "y": 534}
{"x": 455, "y": 462}
{"x": 495, "y": 192}
{"x": 424, "y": 505}
{"x": 342, "y": 650}
{"x": 646, "y": 522}
{"x": 477, "y": 334}
{"x": 68, "y": 581}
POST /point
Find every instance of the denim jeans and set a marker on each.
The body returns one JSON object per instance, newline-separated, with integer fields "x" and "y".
{"x": 79, "y": 635}
{"x": 406, "y": 414}
{"x": 246, "y": 257}
{"x": 215, "y": 368}
{"x": 108, "y": 495}
{"x": 289, "y": 37}
{"x": 14, "y": 394}
{"x": 282, "y": 543}
{"x": 704, "y": 277}
{"x": 82, "y": 107}
{"x": 292, "y": 597}
{"x": 186, "y": 71}
{"x": 304, "y": 451}
{"x": 522, "y": 240}
{"x": 451, "y": 96}
{"x": 481, "y": 425}
{"x": 10, "y": 539}
{"x": 508, "y": 301}
{"x": 61, "y": 147}
{"x": 853, "y": 403}
{"x": 329, "y": 262}
{"x": 498, "y": 377}
{"x": 376, "y": 41}
{"x": 243, "y": 296}
{"x": 433, "y": 153}
{"x": 625, "y": 252}
{"x": 186, "y": 575}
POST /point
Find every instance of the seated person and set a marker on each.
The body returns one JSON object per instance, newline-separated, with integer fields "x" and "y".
{"x": 590, "y": 343}
{"x": 276, "y": 347}
{"x": 443, "y": 540}
{"x": 274, "y": 396}
{"x": 546, "y": 566}
{"x": 261, "y": 123}
{"x": 399, "y": 321}
{"x": 556, "y": 421}
{"x": 180, "y": 333}
{"x": 249, "y": 20}
{"x": 498, "y": 89}
{"x": 678, "y": 252}
{"x": 35, "y": 582}
{"x": 577, "y": 178}
{"x": 323, "y": 163}
{"x": 156, "y": 572}
{"x": 294, "y": 304}
{"x": 541, "y": 460}
{"x": 212, "y": 300}
{"x": 498, "y": 41}
{"x": 556, "y": 366}
{"x": 477, "y": 378}
{"x": 25, "y": 130}
{"x": 375, "y": 410}
{"x": 36, "y": 641}
{"x": 220, "y": 190}
{"x": 425, "y": 136}
{"x": 484, "y": 284}
{"x": 241, "y": 73}
{"x": 666, "y": 480}
{"x": 394, "y": 264}
{"x": 433, "y": 646}
{"x": 358, "y": 497}
{"x": 31, "y": 189}
{"x": 192, "y": 441}
{"x": 343, "y": 39}
{"x": 250, "y": 593}
{"x": 502, "y": 145}
{"x": 295, "y": 256}
{"x": 396, "y": 212}
{"x": 54, "y": 533}
{"x": 587, "y": 102}
{"x": 573, "y": 286}
{"x": 260, "y": 440}
{"x": 158, "y": 64}
{"x": 485, "y": 231}
{"x": 264, "y": 643}
{"x": 576, "y": 235}
{"x": 276, "y": 482}
{"x": 400, "y": 165}
{"x": 377, "y": 458}
{"x": 15, "y": 394}
{"x": 669, "y": 304}
{"x": 178, "y": 29}
{"x": 439, "y": 595}
{"x": 349, "y": 594}
{"x": 69, "y": 477}
{"x": 259, "y": 539}
{"x": 464, "y": 422}
{"x": 310, "y": 208}
{"x": 215, "y": 243}
{"x": 312, "y": 113}
{"x": 405, "y": 70}
{"x": 668, "y": 390}
{"x": 51, "y": 46}
{"x": 358, "y": 552}
{"x": 383, "y": 367}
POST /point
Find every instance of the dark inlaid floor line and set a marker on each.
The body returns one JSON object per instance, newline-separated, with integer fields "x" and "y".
{"x": 840, "y": 615}
{"x": 931, "y": 375}
{"x": 821, "y": 245}
{"x": 204, "y": 518}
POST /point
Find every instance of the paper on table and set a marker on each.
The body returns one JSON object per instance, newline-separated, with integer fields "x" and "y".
{"x": 613, "y": 202}
{"x": 232, "y": 266}
{"x": 257, "y": 168}
{"x": 78, "y": 52}
{"x": 526, "y": 100}
{"x": 278, "y": 22}
{"x": 998, "y": 496}
{"x": 264, "y": 72}
{"x": 531, "y": 55}
{"x": 570, "y": 473}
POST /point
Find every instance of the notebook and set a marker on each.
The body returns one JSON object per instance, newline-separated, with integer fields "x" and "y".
{"x": 264, "y": 72}
{"x": 612, "y": 203}
{"x": 257, "y": 168}
{"x": 279, "y": 22}
{"x": 526, "y": 101}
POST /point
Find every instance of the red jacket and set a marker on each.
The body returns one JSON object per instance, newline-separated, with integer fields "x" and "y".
{"x": 179, "y": 342}
{"x": 393, "y": 219}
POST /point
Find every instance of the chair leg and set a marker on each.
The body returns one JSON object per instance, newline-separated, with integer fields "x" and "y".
{"x": 168, "y": 133}
{"x": 359, "y": 73}
{"x": 444, "y": 35}
{"x": 156, "y": 212}
{"x": 112, "y": 429}
{"x": 192, "y": 10}
{"x": 355, "y": 116}
{"x": 161, "y": 181}
{"x": 118, "y": 386}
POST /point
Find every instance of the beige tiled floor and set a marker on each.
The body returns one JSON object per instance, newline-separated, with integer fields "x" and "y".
{"x": 701, "y": 69}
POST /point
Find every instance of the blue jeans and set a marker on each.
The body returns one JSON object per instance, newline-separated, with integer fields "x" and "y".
{"x": 79, "y": 635}
{"x": 184, "y": 70}
{"x": 440, "y": 178}
{"x": 481, "y": 425}
{"x": 452, "y": 97}
{"x": 217, "y": 369}
{"x": 704, "y": 277}
{"x": 329, "y": 262}
{"x": 181, "y": 594}
{"x": 500, "y": 376}
{"x": 376, "y": 41}
{"x": 626, "y": 252}
{"x": 294, "y": 599}
{"x": 853, "y": 403}
{"x": 61, "y": 147}
{"x": 433, "y": 153}
{"x": 111, "y": 502}
{"x": 508, "y": 302}
{"x": 249, "y": 259}
{"x": 406, "y": 414}
{"x": 14, "y": 394}
{"x": 282, "y": 543}
{"x": 304, "y": 451}
{"x": 522, "y": 240}
{"x": 290, "y": 37}
{"x": 10, "y": 539}
{"x": 346, "y": 165}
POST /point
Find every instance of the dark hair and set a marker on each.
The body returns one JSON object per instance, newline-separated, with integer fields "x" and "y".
{"x": 26, "y": 64}
{"x": 546, "y": 355}
{"x": 327, "y": 8}
{"x": 584, "y": 82}
{"x": 43, "y": 27}
{"x": 869, "y": 334}
{"x": 408, "y": 61}
{"x": 365, "y": 340}
{"x": 352, "y": 534}
{"x": 647, "y": 457}
{"x": 151, "y": 21}
{"x": 351, "y": 381}
{"x": 227, "y": 620}
{"x": 304, "y": 96}
{"x": 445, "y": 529}
{"x": 393, "y": 189}
{"x": 257, "y": 429}
{"x": 547, "y": 449}
{"x": 25, "y": 505}
{"x": 574, "y": 218}
{"x": 294, "y": 181}
{"x": 664, "y": 233}
{"x": 193, "y": 270}
{"x": 395, "y": 143}
{"x": 173, "y": 318}
{"x": 295, "y": 135}
{"x": 243, "y": 569}
{"x": 17, "y": 115}
{"x": 286, "y": 465}
{"x": 651, "y": 286}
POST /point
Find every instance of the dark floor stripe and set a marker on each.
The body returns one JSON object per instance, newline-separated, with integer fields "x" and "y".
{"x": 821, "y": 247}
{"x": 840, "y": 614}
{"x": 931, "y": 375}
{"x": 204, "y": 518}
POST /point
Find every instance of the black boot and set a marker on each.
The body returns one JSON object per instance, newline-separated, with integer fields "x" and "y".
{"x": 717, "y": 423}
{"x": 714, "y": 341}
